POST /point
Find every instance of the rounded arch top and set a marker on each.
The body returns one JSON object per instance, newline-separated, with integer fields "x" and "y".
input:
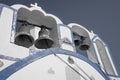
{"x": 18, "y": 6}
{"x": 79, "y": 29}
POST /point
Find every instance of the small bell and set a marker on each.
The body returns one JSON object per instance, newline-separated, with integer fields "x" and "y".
{"x": 84, "y": 43}
{"x": 77, "y": 42}
{"x": 76, "y": 39}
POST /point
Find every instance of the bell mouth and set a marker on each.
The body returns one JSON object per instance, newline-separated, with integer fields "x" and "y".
{"x": 24, "y": 40}
{"x": 84, "y": 47}
{"x": 43, "y": 43}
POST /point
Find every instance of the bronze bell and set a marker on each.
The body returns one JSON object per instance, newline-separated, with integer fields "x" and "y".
{"x": 23, "y": 36}
{"x": 44, "y": 41}
{"x": 85, "y": 44}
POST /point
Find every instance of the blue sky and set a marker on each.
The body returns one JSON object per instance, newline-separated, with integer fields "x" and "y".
{"x": 103, "y": 17}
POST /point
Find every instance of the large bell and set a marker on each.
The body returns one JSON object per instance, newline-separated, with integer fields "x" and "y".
{"x": 44, "y": 41}
{"x": 85, "y": 44}
{"x": 23, "y": 36}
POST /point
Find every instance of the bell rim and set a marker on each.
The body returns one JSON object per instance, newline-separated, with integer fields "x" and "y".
{"x": 86, "y": 47}
{"x": 17, "y": 35}
{"x": 35, "y": 42}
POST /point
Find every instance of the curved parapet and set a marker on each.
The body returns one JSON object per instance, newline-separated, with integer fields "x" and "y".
{"x": 56, "y": 64}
